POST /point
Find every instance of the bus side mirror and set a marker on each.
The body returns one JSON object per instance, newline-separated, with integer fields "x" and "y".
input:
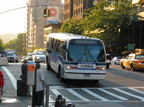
{"x": 108, "y": 56}
{"x": 64, "y": 47}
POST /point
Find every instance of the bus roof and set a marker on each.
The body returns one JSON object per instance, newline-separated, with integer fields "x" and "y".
{"x": 68, "y": 36}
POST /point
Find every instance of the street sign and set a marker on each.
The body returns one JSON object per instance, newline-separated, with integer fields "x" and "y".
{"x": 130, "y": 46}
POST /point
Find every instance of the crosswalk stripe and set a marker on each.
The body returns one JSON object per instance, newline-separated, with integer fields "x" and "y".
{"x": 136, "y": 90}
{"x": 95, "y": 95}
{"x": 58, "y": 93}
{"x": 78, "y": 95}
{"x": 127, "y": 93}
{"x": 112, "y": 94}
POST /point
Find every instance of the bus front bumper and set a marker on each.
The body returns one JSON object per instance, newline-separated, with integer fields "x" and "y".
{"x": 84, "y": 76}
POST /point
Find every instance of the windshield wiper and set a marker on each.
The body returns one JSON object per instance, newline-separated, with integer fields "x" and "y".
{"x": 92, "y": 57}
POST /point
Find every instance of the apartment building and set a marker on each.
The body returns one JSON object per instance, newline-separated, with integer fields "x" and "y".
{"x": 36, "y": 21}
{"x": 75, "y": 8}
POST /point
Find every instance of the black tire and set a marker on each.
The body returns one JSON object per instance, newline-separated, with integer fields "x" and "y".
{"x": 60, "y": 75}
{"x": 123, "y": 67}
{"x": 95, "y": 81}
{"x": 107, "y": 66}
{"x": 132, "y": 68}
{"x": 48, "y": 64}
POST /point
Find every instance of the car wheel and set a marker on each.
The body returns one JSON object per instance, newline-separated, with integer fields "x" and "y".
{"x": 132, "y": 68}
{"x": 123, "y": 67}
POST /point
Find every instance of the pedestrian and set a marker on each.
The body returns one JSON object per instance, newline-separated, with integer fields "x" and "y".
{"x": 39, "y": 86}
{"x": 24, "y": 69}
{"x": 4, "y": 54}
{"x": 1, "y": 84}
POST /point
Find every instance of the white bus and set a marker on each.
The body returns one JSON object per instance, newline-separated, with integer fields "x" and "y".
{"x": 76, "y": 57}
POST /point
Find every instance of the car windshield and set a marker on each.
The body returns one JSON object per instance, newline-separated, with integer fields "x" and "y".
{"x": 11, "y": 54}
{"x": 139, "y": 56}
{"x": 39, "y": 53}
{"x": 86, "y": 53}
{"x": 30, "y": 54}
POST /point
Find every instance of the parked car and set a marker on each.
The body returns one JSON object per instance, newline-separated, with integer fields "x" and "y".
{"x": 29, "y": 56}
{"x": 133, "y": 61}
{"x": 39, "y": 56}
{"x": 116, "y": 60}
{"x": 12, "y": 57}
{"x": 108, "y": 61}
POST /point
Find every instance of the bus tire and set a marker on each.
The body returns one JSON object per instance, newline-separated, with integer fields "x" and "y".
{"x": 95, "y": 81}
{"x": 60, "y": 75}
{"x": 48, "y": 65}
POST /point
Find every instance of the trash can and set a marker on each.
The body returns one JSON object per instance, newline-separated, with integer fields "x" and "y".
{"x": 22, "y": 88}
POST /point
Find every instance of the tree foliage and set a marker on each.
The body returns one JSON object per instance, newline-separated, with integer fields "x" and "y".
{"x": 72, "y": 26}
{"x": 17, "y": 43}
{"x": 104, "y": 20}
{"x": 1, "y": 45}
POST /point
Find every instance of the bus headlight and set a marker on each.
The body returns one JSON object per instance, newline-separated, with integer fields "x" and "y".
{"x": 70, "y": 67}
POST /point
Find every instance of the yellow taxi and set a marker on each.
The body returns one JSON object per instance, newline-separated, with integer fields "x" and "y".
{"x": 134, "y": 61}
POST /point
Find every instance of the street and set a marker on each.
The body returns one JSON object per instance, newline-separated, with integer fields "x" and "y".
{"x": 121, "y": 88}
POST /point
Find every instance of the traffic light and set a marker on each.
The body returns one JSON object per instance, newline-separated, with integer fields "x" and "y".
{"x": 45, "y": 13}
{"x": 48, "y": 12}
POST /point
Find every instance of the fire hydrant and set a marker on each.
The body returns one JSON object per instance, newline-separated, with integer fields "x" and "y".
{"x": 60, "y": 102}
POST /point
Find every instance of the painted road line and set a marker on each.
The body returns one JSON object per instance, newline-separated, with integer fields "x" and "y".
{"x": 127, "y": 93}
{"x": 58, "y": 93}
{"x": 95, "y": 95}
{"x": 112, "y": 94}
{"x": 78, "y": 95}
{"x": 13, "y": 80}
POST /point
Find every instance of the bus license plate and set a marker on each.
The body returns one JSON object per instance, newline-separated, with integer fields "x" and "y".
{"x": 86, "y": 66}
{"x": 86, "y": 75}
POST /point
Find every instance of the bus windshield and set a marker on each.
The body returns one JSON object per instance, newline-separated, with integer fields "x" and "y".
{"x": 86, "y": 52}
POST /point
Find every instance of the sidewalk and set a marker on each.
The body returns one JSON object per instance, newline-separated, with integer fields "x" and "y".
{"x": 10, "y": 99}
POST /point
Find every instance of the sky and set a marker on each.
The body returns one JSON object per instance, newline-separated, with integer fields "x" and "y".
{"x": 13, "y": 21}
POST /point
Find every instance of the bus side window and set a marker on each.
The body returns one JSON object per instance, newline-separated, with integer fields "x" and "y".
{"x": 53, "y": 44}
{"x": 59, "y": 48}
{"x": 48, "y": 43}
{"x": 57, "y": 45}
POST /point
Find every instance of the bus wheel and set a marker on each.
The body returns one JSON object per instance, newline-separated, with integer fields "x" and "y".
{"x": 61, "y": 78}
{"x": 95, "y": 81}
{"x": 48, "y": 66}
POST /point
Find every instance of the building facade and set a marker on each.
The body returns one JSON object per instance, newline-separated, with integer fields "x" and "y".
{"x": 75, "y": 8}
{"x": 36, "y": 21}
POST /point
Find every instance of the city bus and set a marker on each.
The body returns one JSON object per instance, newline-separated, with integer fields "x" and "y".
{"x": 76, "y": 57}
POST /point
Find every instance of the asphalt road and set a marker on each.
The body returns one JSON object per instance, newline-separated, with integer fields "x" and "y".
{"x": 121, "y": 88}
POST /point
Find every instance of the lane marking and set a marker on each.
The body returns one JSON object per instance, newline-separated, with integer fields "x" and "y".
{"x": 112, "y": 94}
{"x": 13, "y": 80}
{"x": 95, "y": 95}
{"x": 78, "y": 95}
{"x": 58, "y": 93}
{"x": 127, "y": 93}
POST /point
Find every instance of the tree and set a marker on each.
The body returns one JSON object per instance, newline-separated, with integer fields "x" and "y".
{"x": 1, "y": 45}
{"x": 105, "y": 21}
{"x": 72, "y": 26}
{"x": 18, "y": 44}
